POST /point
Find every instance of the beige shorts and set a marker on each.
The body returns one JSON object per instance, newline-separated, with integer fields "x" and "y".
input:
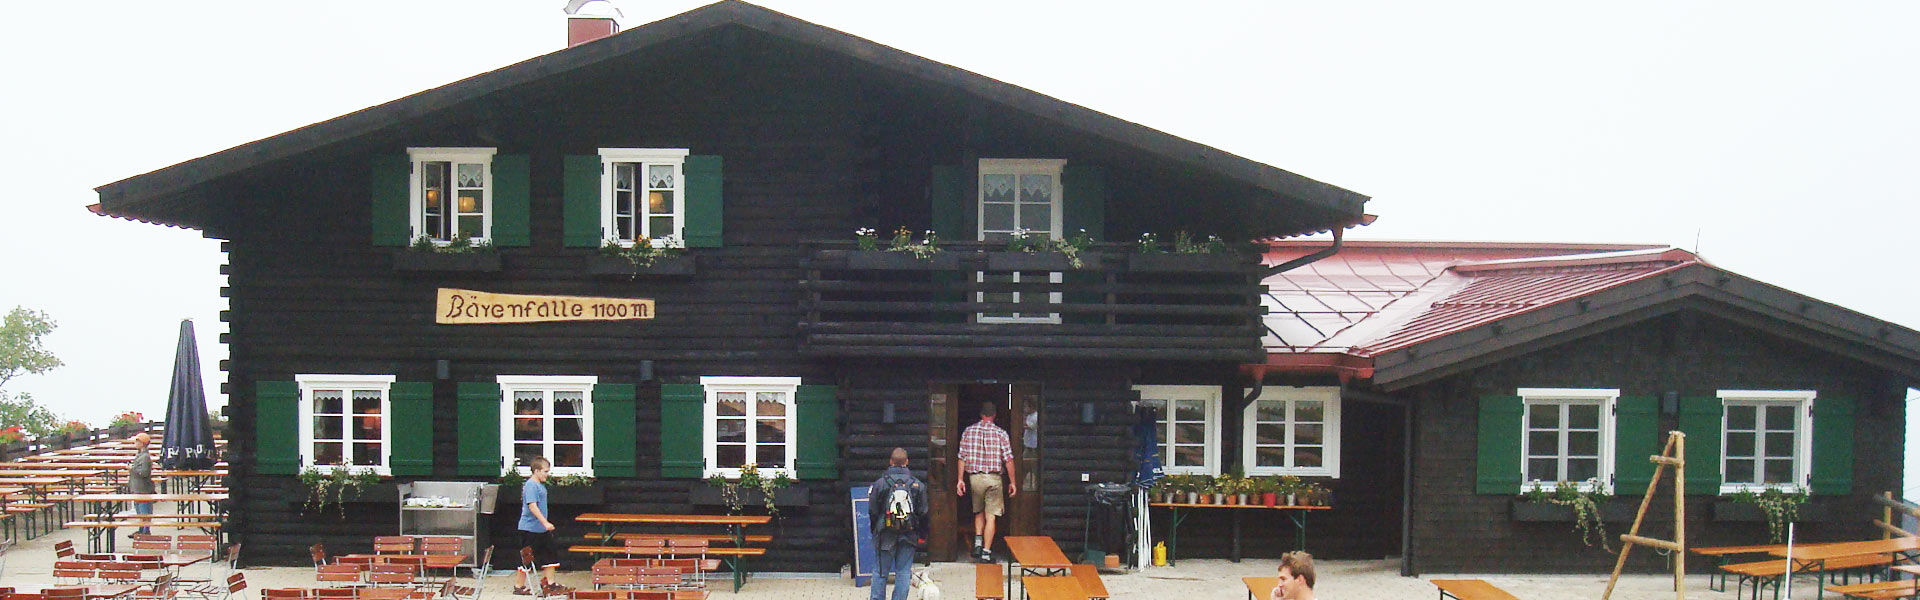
{"x": 988, "y": 495}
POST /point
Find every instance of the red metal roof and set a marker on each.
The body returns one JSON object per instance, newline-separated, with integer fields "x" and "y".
{"x": 1375, "y": 297}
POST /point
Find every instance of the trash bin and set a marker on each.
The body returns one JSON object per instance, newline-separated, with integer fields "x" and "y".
{"x": 1109, "y": 528}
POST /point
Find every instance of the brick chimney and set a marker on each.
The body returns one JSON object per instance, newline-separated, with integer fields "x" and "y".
{"x": 589, "y": 20}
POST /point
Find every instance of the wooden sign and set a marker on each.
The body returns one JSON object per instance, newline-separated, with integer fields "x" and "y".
{"x": 469, "y": 307}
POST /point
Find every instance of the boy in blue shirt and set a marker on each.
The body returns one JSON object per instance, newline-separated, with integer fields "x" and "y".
{"x": 536, "y": 532}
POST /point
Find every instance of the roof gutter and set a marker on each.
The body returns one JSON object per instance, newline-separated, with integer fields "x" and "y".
{"x": 1339, "y": 240}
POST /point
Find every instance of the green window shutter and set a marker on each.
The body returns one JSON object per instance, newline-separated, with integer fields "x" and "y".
{"x": 1085, "y": 191}
{"x": 276, "y": 427}
{"x": 1700, "y": 420}
{"x": 951, "y": 209}
{"x": 412, "y": 428}
{"x": 703, "y": 201}
{"x": 392, "y": 225}
{"x": 682, "y": 430}
{"x": 512, "y": 200}
{"x": 1636, "y": 436}
{"x": 817, "y": 415}
{"x": 1832, "y": 445}
{"x": 1498, "y": 467}
{"x": 613, "y": 424}
{"x": 580, "y": 199}
{"x": 478, "y": 421}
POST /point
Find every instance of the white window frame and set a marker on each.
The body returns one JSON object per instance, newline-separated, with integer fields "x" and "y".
{"x": 1160, "y": 395}
{"x": 347, "y": 384}
{"x": 509, "y": 384}
{"x": 610, "y": 158}
{"x": 1607, "y": 399}
{"x": 1020, "y": 166}
{"x": 1330, "y": 432}
{"x": 417, "y": 208}
{"x": 749, "y": 385}
{"x": 1803, "y": 434}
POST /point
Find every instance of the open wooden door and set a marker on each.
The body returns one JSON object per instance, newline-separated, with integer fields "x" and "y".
{"x": 1023, "y": 510}
{"x": 944, "y": 542}
{"x": 951, "y": 409}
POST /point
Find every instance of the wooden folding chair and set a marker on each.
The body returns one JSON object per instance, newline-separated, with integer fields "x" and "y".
{"x": 344, "y": 575}
{"x": 319, "y": 552}
{"x": 162, "y": 588}
{"x": 284, "y": 594}
{"x": 199, "y": 544}
{"x": 65, "y": 593}
{"x": 148, "y": 541}
{"x": 63, "y": 549}
{"x": 395, "y": 575}
{"x": 612, "y": 576}
{"x": 660, "y": 578}
{"x": 440, "y": 544}
{"x": 393, "y": 544}
{"x": 697, "y": 550}
{"x": 74, "y": 571}
{"x": 649, "y": 595}
{"x": 236, "y": 583}
{"x": 337, "y": 593}
{"x": 593, "y": 594}
{"x": 121, "y": 572}
{"x": 646, "y": 547}
{"x": 26, "y": 597}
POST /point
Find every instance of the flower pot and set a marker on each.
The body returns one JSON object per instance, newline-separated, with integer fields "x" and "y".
{"x": 1161, "y": 262}
{"x": 1219, "y": 498}
{"x": 602, "y": 265}
{"x": 1293, "y": 499}
{"x": 441, "y": 262}
{"x": 1270, "y": 499}
{"x": 1193, "y": 497}
{"x": 886, "y": 260}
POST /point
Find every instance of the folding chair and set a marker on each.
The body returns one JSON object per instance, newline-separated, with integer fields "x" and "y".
{"x": 121, "y": 572}
{"x": 394, "y": 575}
{"x": 593, "y": 594}
{"x": 697, "y": 550}
{"x": 199, "y": 544}
{"x": 65, "y": 593}
{"x": 338, "y": 593}
{"x": 393, "y": 544}
{"x": 363, "y": 561}
{"x": 646, "y": 547}
{"x": 26, "y": 597}
{"x": 236, "y": 583}
{"x": 161, "y": 589}
{"x": 62, "y": 549}
{"x": 649, "y": 595}
{"x": 148, "y": 541}
{"x": 345, "y": 575}
{"x": 74, "y": 571}
{"x": 660, "y": 578}
{"x": 440, "y": 544}
{"x": 482, "y": 569}
{"x": 284, "y": 594}
{"x": 97, "y": 556}
{"x": 319, "y": 552}
{"x": 613, "y": 576}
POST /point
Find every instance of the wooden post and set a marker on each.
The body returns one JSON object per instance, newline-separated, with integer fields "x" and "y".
{"x": 1679, "y": 514}
{"x": 1886, "y": 515}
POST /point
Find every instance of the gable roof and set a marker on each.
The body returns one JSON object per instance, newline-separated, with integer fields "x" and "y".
{"x": 1402, "y": 313}
{"x": 180, "y": 194}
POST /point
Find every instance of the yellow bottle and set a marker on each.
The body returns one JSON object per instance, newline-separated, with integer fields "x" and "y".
{"x": 1160, "y": 554}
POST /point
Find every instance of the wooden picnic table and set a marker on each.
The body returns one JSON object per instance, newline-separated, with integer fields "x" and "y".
{"x": 1053, "y": 588}
{"x": 1295, "y": 513}
{"x": 1037, "y": 555}
{"x": 1260, "y": 588}
{"x": 735, "y": 524}
{"x": 103, "y": 504}
{"x": 1813, "y": 558}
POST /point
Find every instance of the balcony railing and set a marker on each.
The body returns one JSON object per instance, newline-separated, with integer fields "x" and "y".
{"x": 976, "y": 300}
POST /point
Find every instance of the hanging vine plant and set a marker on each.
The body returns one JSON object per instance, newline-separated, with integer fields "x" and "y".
{"x": 1780, "y": 507}
{"x": 1585, "y": 506}
{"x": 331, "y": 484}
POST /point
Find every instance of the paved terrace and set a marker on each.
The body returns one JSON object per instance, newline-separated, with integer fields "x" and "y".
{"x": 32, "y": 563}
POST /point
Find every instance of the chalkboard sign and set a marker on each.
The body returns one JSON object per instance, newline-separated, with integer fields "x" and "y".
{"x": 863, "y": 553}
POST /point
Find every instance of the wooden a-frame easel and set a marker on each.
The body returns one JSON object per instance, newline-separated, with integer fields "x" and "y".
{"x": 1672, "y": 456}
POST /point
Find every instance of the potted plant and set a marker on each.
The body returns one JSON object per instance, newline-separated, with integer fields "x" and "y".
{"x": 1269, "y": 490}
{"x": 1220, "y": 489}
{"x": 124, "y": 423}
{"x": 460, "y": 254}
{"x": 336, "y": 485}
{"x": 1188, "y": 255}
{"x": 650, "y": 257}
{"x": 1034, "y": 251}
{"x": 903, "y": 253}
{"x": 1777, "y": 506}
{"x": 1585, "y": 505}
{"x": 752, "y": 488}
{"x": 1288, "y": 487}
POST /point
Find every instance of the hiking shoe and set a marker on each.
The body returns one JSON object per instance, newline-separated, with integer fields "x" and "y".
{"x": 522, "y": 591}
{"x": 556, "y": 589}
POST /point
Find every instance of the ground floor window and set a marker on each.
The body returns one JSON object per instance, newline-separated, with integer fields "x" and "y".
{"x": 1292, "y": 431}
{"x": 1567, "y": 435}
{"x": 1188, "y": 426}
{"x": 1766, "y": 438}
{"x": 551, "y": 417}
{"x": 343, "y": 420}
{"x": 749, "y": 420}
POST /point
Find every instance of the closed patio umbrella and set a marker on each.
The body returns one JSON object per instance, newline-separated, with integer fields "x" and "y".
{"x": 189, "y": 439}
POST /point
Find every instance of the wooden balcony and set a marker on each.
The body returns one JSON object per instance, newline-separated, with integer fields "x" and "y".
{"x": 1116, "y": 304}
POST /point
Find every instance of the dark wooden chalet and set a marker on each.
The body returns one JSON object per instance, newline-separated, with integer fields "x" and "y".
{"x": 1468, "y": 372}
{"x": 761, "y": 142}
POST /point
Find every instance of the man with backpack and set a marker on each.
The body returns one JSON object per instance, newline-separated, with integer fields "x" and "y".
{"x": 897, "y": 509}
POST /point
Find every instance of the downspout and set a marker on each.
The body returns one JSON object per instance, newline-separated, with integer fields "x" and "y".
{"x": 1339, "y": 239}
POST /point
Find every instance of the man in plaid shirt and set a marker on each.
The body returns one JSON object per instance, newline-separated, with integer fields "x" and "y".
{"x": 986, "y": 462}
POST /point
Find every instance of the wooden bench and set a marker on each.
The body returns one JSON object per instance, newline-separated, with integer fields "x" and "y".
{"x": 1765, "y": 572}
{"x": 1879, "y": 590}
{"x": 1470, "y": 589}
{"x": 711, "y": 551}
{"x": 1260, "y": 588}
{"x": 751, "y": 539}
{"x": 988, "y": 582}
{"x": 142, "y": 523}
{"x": 137, "y": 516}
{"x": 1089, "y": 578}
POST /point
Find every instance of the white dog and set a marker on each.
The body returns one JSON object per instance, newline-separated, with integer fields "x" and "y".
{"x": 928, "y": 589}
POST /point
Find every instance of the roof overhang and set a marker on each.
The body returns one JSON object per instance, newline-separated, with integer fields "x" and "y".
{"x": 184, "y": 194}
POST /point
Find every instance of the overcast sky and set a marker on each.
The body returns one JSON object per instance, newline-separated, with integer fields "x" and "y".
{"x": 1781, "y": 139}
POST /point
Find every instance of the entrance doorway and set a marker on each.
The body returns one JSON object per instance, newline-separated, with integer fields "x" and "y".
{"x": 952, "y": 408}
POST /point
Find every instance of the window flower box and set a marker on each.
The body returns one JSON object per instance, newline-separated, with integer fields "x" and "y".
{"x": 603, "y": 265}
{"x": 1548, "y": 512}
{"x": 1167, "y": 262}
{"x": 412, "y": 261}
{"x": 884, "y": 260}
{"x": 1728, "y": 511}
{"x": 701, "y": 494}
{"x": 1040, "y": 261}
{"x": 559, "y": 495}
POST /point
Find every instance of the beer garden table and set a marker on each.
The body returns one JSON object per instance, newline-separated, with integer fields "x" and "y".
{"x": 1037, "y": 555}
{"x": 735, "y": 524}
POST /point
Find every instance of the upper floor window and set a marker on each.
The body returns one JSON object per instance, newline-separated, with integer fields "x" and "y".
{"x": 1567, "y": 436}
{"x": 1019, "y": 194}
{"x": 1766, "y": 438}
{"x": 1292, "y": 431}
{"x": 452, "y": 194}
{"x": 552, "y": 417}
{"x": 750, "y": 420}
{"x": 1189, "y": 426}
{"x": 642, "y": 193}
{"x": 343, "y": 420}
